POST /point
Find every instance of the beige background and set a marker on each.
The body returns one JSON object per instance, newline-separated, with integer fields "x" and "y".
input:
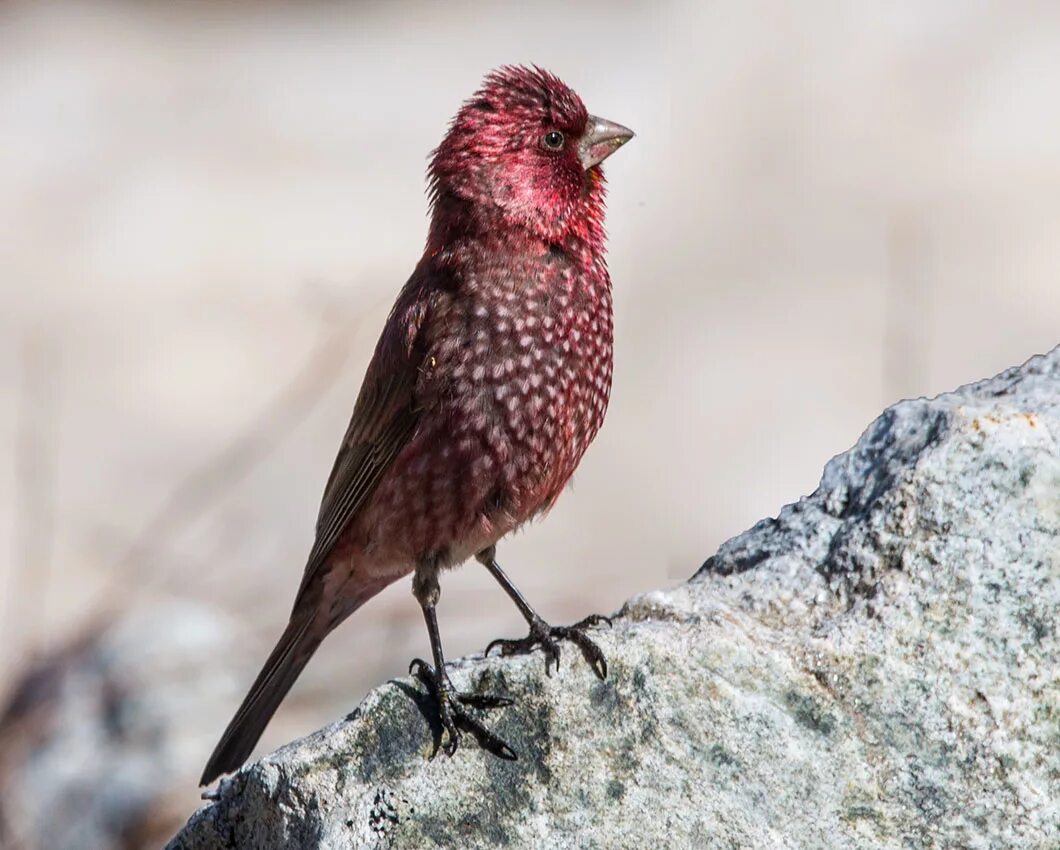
{"x": 206, "y": 209}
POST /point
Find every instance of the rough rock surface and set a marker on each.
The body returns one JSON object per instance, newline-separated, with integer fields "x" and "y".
{"x": 101, "y": 740}
{"x": 877, "y": 667}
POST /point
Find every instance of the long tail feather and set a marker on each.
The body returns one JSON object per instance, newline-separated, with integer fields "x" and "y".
{"x": 293, "y": 651}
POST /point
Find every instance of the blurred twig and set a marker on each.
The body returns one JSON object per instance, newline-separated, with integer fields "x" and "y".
{"x": 199, "y": 492}
{"x": 196, "y": 495}
{"x": 35, "y": 478}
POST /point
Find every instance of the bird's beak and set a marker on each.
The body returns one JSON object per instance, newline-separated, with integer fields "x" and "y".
{"x": 601, "y": 139}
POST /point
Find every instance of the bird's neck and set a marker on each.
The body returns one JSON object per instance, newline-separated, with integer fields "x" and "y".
{"x": 458, "y": 221}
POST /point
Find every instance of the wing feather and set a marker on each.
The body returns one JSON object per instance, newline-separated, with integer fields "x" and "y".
{"x": 384, "y": 419}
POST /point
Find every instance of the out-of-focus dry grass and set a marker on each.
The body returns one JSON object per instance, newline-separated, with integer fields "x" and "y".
{"x": 205, "y": 210}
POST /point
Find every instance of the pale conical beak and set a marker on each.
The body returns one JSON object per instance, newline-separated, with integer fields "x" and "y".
{"x": 602, "y": 138}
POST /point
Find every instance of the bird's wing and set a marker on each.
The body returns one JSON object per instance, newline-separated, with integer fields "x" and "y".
{"x": 384, "y": 419}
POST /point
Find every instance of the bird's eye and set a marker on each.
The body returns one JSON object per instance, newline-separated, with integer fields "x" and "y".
{"x": 552, "y": 140}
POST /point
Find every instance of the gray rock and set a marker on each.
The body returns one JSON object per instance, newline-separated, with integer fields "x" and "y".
{"x": 877, "y": 667}
{"x": 102, "y": 738}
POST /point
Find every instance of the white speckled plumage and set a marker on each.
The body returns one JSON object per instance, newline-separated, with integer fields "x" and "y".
{"x": 489, "y": 381}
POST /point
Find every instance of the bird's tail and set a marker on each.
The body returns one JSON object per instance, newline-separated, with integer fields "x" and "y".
{"x": 296, "y": 646}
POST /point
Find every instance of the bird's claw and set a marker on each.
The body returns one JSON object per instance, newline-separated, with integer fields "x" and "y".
{"x": 454, "y": 717}
{"x": 548, "y": 638}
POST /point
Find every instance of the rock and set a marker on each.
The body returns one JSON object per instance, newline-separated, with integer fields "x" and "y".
{"x": 877, "y": 667}
{"x": 101, "y": 740}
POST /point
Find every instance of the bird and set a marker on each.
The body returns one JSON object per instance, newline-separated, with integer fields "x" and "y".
{"x": 490, "y": 379}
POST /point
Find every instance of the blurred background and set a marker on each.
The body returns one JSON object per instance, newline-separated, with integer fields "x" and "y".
{"x": 207, "y": 208}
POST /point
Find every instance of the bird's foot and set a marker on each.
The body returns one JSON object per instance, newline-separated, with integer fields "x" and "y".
{"x": 548, "y": 637}
{"x": 453, "y": 714}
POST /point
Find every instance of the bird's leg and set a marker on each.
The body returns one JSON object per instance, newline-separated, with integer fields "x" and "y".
{"x": 452, "y": 705}
{"x": 541, "y": 633}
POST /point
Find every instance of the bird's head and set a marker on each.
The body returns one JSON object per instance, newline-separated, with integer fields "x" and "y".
{"x": 525, "y": 146}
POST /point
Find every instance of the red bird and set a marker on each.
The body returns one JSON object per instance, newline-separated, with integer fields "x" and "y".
{"x": 488, "y": 383}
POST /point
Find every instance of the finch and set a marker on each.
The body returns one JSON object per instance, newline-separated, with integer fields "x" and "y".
{"x": 489, "y": 380}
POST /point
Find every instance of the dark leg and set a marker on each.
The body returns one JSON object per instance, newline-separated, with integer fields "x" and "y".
{"x": 541, "y": 633}
{"x": 452, "y": 713}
